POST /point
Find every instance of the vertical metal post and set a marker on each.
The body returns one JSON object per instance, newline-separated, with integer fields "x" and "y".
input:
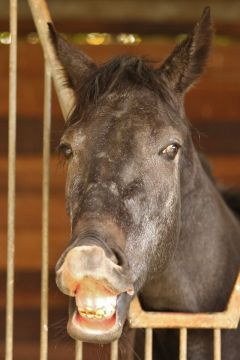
{"x": 148, "y": 343}
{"x": 45, "y": 212}
{"x": 114, "y": 350}
{"x": 78, "y": 350}
{"x": 217, "y": 344}
{"x": 183, "y": 344}
{"x": 11, "y": 179}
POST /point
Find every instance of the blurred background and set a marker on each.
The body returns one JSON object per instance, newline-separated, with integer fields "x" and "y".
{"x": 102, "y": 29}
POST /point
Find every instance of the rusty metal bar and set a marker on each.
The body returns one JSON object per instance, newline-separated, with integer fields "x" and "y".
{"x": 45, "y": 212}
{"x": 227, "y": 319}
{"x": 183, "y": 344}
{"x": 114, "y": 350}
{"x": 148, "y": 344}
{"x": 11, "y": 179}
{"x": 217, "y": 344}
{"x": 41, "y": 17}
{"x": 78, "y": 350}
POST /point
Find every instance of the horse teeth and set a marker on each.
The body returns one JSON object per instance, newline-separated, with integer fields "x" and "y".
{"x": 109, "y": 311}
{"x": 99, "y": 313}
{"x": 90, "y": 316}
{"x": 89, "y": 309}
{"x": 99, "y": 316}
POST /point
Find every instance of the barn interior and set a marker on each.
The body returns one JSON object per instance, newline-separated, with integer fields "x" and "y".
{"x": 102, "y": 29}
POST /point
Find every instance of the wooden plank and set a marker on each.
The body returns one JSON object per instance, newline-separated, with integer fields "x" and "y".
{"x": 28, "y": 282}
{"x": 226, "y": 169}
{"x": 135, "y": 16}
{"x": 61, "y": 346}
{"x": 212, "y": 137}
{"x": 29, "y": 172}
{"x": 143, "y": 27}
{"x": 215, "y": 97}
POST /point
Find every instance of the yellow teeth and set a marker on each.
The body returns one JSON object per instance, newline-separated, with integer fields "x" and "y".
{"x": 99, "y": 314}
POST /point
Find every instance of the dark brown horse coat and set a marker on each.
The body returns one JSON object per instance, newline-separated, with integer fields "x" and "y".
{"x": 146, "y": 217}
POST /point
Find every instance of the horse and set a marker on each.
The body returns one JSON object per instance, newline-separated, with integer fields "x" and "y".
{"x": 147, "y": 218}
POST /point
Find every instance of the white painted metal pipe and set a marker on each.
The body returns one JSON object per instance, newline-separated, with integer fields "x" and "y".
{"x": 183, "y": 344}
{"x": 45, "y": 212}
{"x": 78, "y": 350}
{"x": 148, "y": 343}
{"x": 217, "y": 344}
{"x": 11, "y": 179}
{"x": 114, "y": 350}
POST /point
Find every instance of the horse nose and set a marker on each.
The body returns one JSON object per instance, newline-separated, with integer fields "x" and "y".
{"x": 91, "y": 262}
{"x": 84, "y": 258}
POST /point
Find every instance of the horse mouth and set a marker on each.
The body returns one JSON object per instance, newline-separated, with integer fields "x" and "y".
{"x": 97, "y": 314}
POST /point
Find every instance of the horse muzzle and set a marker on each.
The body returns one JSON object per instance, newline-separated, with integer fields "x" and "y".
{"x": 100, "y": 290}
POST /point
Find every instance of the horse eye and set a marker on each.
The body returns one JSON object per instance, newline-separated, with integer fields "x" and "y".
{"x": 66, "y": 150}
{"x": 170, "y": 151}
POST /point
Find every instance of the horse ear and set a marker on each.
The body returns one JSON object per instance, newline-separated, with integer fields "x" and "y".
{"x": 185, "y": 64}
{"x": 75, "y": 63}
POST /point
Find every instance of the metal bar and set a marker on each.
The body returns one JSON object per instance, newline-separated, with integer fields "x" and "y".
{"x": 114, "y": 350}
{"x": 41, "y": 17}
{"x": 183, "y": 344}
{"x": 78, "y": 350}
{"x": 217, "y": 344}
{"x": 45, "y": 212}
{"x": 227, "y": 319}
{"x": 148, "y": 344}
{"x": 11, "y": 179}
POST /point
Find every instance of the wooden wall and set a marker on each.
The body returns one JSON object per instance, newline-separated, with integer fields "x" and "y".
{"x": 213, "y": 106}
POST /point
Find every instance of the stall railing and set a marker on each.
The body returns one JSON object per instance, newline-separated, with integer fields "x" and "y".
{"x": 138, "y": 318}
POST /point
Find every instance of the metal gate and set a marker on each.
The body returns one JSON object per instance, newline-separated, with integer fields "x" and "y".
{"x": 138, "y": 318}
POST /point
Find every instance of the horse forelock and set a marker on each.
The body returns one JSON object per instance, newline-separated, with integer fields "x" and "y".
{"x": 117, "y": 76}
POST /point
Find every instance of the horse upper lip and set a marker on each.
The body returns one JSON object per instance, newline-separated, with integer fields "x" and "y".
{"x": 115, "y": 277}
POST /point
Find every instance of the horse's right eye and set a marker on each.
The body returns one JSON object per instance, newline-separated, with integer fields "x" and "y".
{"x": 171, "y": 151}
{"x": 66, "y": 150}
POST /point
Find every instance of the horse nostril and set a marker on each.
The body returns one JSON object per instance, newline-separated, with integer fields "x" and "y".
{"x": 119, "y": 257}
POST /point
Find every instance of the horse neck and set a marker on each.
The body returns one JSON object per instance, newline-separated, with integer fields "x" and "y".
{"x": 206, "y": 261}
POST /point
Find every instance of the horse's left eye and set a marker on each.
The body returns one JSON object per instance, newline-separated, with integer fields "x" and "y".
{"x": 170, "y": 151}
{"x": 66, "y": 150}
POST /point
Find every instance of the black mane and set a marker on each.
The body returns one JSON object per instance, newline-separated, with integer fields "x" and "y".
{"x": 116, "y": 76}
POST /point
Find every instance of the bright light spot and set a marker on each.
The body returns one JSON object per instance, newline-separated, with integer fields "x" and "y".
{"x": 129, "y": 39}
{"x": 5, "y": 38}
{"x": 98, "y": 38}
